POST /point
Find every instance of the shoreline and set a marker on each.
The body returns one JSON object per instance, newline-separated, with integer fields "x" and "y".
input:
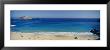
{"x": 53, "y": 36}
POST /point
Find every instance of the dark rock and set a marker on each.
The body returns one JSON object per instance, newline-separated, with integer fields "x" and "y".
{"x": 95, "y": 32}
{"x": 75, "y": 38}
{"x": 98, "y": 39}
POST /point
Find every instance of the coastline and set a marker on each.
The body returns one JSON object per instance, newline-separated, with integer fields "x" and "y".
{"x": 53, "y": 36}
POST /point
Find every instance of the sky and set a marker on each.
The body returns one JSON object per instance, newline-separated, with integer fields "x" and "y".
{"x": 56, "y": 13}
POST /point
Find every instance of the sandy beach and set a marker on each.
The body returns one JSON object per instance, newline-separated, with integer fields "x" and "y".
{"x": 52, "y": 36}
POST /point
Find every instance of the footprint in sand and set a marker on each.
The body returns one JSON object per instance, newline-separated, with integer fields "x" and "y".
{"x": 38, "y": 37}
{"x": 29, "y": 38}
{"x": 22, "y": 36}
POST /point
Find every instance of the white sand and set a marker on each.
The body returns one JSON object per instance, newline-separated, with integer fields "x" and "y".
{"x": 53, "y": 36}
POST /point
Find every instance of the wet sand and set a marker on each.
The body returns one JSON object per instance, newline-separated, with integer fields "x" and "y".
{"x": 48, "y": 36}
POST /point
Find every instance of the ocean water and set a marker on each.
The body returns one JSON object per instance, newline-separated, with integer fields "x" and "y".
{"x": 55, "y": 25}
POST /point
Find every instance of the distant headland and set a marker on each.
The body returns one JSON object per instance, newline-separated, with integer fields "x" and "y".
{"x": 25, "y": 17}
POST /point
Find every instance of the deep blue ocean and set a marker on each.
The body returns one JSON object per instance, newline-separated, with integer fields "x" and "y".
{"x": 55, "y": 25}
